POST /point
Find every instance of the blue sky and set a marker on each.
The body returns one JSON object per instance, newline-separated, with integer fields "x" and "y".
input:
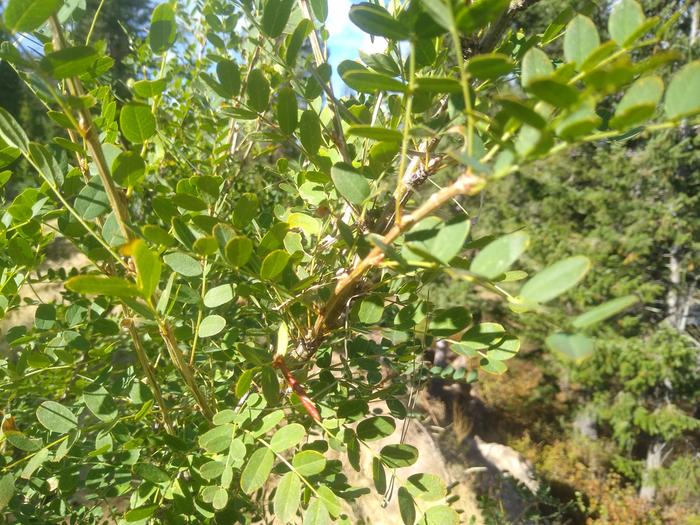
{"x": 346, "y": 40}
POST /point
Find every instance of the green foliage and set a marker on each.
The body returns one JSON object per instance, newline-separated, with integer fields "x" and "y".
{"x": 220, "y": 225}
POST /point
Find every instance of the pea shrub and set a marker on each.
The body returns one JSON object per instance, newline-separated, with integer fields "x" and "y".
{"x": 258, "y": 248}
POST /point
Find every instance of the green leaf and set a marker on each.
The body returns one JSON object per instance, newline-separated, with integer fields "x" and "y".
{"x": 407, "y": 507}
{"x": 22, "y": 442}
{"x": 351, "y": 185}
{"x": 101, "y": 403}
{"x": 329, "y": 500}
{"x": 219, "y": 295}
{"x": 370, "y": 309}
{"x": 366, "y": 81}
{"x": 244, "y": 382}
{"x": 34, "y": 463}
{"x": 55, "y": 417}
{"x": 149, "y": 88}
{"x": 270, "y": 385}
{"x": 439, "y": 12}
{"x": 220, "y": 498}
{"x": 287, "y": 497}
{"x": 246, "y": 209}
{"x": 479, "y": 14}
{"x": 490, "y": 339}
{"x": 377, "y": 21}
{"x": 437, "y": 85}
{"x": 238, "y": 251}
{"x": 12, "y": 133}
{"x": 45, "y": 316}
{"x": 579, "y": 121}
{"x": 287, "y": 110}
{"x": 449, "y": 321}
{"x": 7, "y": 490}
{"x": 557, "y": 25}
{"x": 376, "y": 427}
{"x": 493, "y": 366}
{"x": 580, "y": 40}
{"x": 151, "y": 473}
{"x": 427, "y": 487}
{"x": 163, "y": 28}
{"x": 604, "y": 311}
{"x": 8, "y": 154}
{"x": 229, "y": 76}
{"x": 382, "y": 63}
{"x": 92, "y": 201}
{"x": 555, "y": 279}
{"x": 316, "y": 514}
{"x": 101, "y": 285}
{"x": 399, "y": 456}
{"x": 275, "y": 16}
{"x": 137, "y": 122}
{"x": 375, "y": 133}
{"x": 148, "y": 268}
{"x": 440, "y": 515}
{"x": 257, "y": 470}
{"x": 69, "y": 62}
{"x": 378, "y": 475}
{"x": 296, "y": 40}
{"x": 287, "y": 437}
{"x": 224, "y": 416}
{"x": 536, "y": 66}
{"x": 320, "y": 9}
{"x": 310, "y": 131}
{"x": 639, "y": 103}
{"x": 128, "y": 168}
{"x": 553, "y": 92}
{"x": 211, "y": 470}
{"x": 274, "y": 264}
{"x": 308, "y": 224}
{"x": 683, "y": 93}
{"x": 309, "y": 462}
{"x": 498, "y": 256}
{"x": 258, "y": 90}
{"x": 46, "y": 163}
{"x": 27, "y": 15}
{"x": 217, "y": 439}
{"x": 183, "y": 264}
{"x": 211, "y": 325}
{"x": 140, "y": 513}
{"x": 626, "y": 18}
{"x": 490, "y": 66}
{"x": 572, "y": 346}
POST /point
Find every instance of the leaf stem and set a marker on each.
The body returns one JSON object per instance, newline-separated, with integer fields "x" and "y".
{"x": 408, "y": 102}
{"x": 464, "y": 80}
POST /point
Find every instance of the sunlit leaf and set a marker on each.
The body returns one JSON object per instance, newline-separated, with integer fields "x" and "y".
{"x": 161, "y": 35}
{"x": 555, "y": 279}
{"x": 604, "y": 311}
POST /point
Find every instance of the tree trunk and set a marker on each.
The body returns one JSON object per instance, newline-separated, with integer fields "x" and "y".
{"x": 653, "y": 462}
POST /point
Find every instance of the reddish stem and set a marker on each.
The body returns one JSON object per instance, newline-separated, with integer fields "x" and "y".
{"x": 299, "y": 390}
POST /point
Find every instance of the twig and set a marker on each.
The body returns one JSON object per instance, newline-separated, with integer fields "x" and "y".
{"x": 464, "y": 185}
{"x": 150, "y": 374}
{"x": 89, "y": 133}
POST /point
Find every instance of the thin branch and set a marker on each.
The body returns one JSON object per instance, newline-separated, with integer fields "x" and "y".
{"x": 89, "y": 133}
{"x": 150, "y": 374}
{"x": 466, "y": 184}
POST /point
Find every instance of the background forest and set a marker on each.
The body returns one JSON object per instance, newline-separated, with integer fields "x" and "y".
{"x": 614, "y": 438}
